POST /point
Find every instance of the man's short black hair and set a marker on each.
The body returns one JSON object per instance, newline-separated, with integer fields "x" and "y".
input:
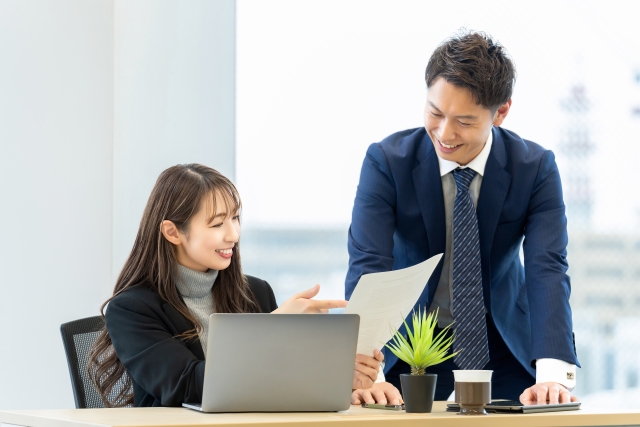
{"x": 473, "y": 60}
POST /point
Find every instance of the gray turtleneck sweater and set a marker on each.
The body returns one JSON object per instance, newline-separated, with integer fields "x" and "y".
{"x": 195, "y": 288}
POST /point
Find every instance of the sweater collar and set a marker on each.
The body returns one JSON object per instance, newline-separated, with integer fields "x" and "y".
{"x": 195, "y": 284}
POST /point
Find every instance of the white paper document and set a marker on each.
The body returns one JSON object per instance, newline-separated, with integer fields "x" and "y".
{"x": 383, "y": 300}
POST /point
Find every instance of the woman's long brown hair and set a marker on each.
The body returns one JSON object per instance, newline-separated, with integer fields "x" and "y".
{"x": 179, "y": 193}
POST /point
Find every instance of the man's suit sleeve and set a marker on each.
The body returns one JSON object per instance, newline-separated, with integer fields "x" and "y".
{"x": 545, "y": 259}
{"x": 161, "y": 364}
{"x": 370, "y": 241}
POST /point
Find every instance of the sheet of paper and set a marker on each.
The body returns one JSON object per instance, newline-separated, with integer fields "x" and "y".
{"x": 383, "y": 300}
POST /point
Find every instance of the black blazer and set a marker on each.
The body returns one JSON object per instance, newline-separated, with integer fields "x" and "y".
{"x": 165, "y": 371}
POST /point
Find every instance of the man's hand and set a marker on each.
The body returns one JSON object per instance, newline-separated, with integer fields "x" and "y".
{"x": 546, "y": 393}
{"x": 382, "y": 393}
{"x": 366, "y": 371}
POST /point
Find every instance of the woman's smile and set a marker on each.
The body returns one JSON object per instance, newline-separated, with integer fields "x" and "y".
{"x": 225, "y": 253}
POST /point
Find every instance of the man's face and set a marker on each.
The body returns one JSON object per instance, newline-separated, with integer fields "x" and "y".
{"x": 458, "y": 127}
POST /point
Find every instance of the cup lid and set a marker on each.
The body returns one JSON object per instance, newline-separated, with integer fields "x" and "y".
{"x": 472, "y": 376}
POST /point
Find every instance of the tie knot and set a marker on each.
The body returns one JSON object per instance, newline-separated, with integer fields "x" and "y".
{"x": 463, "y": 178}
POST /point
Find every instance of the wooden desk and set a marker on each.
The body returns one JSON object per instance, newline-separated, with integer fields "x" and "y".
{"x": 356, "y": 416}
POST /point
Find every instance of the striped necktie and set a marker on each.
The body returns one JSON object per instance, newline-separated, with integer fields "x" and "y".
{"x": 468, "y": 302}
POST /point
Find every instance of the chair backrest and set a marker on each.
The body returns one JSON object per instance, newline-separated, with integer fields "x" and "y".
{"x": 78, "y": 337}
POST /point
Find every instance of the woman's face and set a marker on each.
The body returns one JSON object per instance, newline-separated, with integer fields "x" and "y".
{"x": 209, "y": 243}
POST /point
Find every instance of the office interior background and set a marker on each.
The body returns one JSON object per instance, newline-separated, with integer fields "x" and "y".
{"x": 284, "y": 97}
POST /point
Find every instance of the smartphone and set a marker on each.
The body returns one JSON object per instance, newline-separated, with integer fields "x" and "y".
{"x": 388, "y": 407}
{"x": 517, "y": 407}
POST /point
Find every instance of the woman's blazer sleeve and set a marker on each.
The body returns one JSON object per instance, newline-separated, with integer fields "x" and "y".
{"x": 263, "y": 294}
{"x": 144, "y": 342}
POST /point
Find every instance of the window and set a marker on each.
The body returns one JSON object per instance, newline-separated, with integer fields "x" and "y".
{"x": 318, "y": 81}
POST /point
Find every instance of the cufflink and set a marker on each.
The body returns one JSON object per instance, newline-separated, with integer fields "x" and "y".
{"x": 570, "y": 375}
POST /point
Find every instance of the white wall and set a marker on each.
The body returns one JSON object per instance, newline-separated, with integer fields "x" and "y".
{"x": 56, "y": 133}
{"x": 96, "y": 99}
{"x": 174, "y": 99}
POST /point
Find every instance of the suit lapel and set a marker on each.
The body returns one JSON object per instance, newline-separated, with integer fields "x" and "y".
{"x": 493, "y": 192}
{"x": 428, "y": 185}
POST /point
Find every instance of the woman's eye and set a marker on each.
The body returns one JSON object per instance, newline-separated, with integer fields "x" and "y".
{"x": 236, "y": 218}
{"x": 216, "y": 225}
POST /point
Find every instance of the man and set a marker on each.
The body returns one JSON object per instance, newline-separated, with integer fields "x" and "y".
{"x": 467, "y": 188}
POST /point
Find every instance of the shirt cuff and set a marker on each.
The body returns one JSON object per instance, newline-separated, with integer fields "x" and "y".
{"x": 556, "y": 371}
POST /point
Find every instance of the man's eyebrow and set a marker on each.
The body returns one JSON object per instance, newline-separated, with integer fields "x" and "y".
{"x": 433, "y": 105}
{"x": 466, "y": 116}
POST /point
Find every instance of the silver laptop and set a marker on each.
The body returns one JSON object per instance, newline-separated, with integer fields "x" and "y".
{"x": 279, "y": 363}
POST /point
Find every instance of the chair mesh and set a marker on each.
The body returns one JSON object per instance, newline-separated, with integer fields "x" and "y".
{"x": 78, "y": 337}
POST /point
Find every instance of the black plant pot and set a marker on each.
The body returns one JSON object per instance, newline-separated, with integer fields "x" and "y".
{"x": 418, "y": 391}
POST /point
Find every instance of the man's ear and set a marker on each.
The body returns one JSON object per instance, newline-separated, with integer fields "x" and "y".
{"x": 502, "y": 112}
{"x": 170, "y": 232}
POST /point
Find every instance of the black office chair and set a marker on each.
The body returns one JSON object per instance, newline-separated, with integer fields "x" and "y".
{"x": 78, "y": 337}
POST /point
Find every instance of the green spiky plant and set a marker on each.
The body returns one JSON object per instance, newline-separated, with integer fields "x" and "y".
{"x": 422, "y": 349}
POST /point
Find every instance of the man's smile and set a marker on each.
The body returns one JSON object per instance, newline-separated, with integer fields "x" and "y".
{"x": 448, "y": 146}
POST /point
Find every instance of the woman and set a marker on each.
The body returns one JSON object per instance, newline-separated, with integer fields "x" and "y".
{"x": 185, "y": 265}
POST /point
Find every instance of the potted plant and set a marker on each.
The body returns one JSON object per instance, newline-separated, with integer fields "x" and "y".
{"x": 420, "y": 351}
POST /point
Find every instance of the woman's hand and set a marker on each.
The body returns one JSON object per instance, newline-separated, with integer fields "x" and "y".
{"x": 367, "y": 368}
{"x": 382, "y": 393}
{"x": 302, "y": 303}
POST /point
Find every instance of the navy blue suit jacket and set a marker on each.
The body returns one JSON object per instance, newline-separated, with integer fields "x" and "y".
{"x": 398, "y": 221}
